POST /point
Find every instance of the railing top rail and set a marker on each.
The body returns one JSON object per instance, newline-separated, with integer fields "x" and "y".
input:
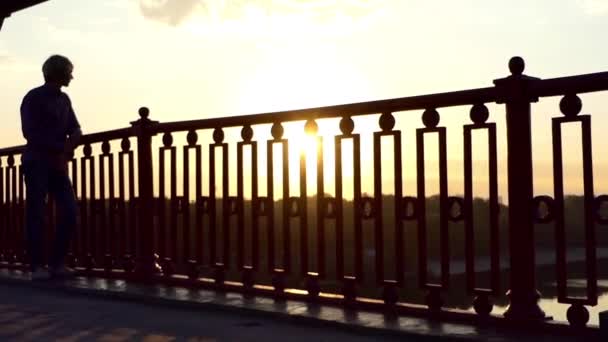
{"x": 570, "y": 85}
{"x": 86, "y": 139}
{"x": 456, "y": 98}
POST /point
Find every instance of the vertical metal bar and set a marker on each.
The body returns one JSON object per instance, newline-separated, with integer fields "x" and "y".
{"x": 558, "y": 189}
{"x": 255, "y": 240}
{"x": 320, "y": 210}
{"x": 162, "y": 205}
{"x": 590, "y": 238}
{"x": 76, "y": 241}
{"x": 469, "y": 230}
{"x": 303, "y": 215}
{"x": 100, "y": 209}
{"x": 286, "y": 208}
{"x": 132, "y": 207}
{"x": 22, "y": 232}
{"x": 93, "y": 214}
{"x": 270, "y": 206}
{"x": 421, "y": 207}
{"x": 399, "y": 248}
{"x": 225, "y": 205}
{"x": 112, "y": 200}
{"x": 443, "y": 217}
{"x": 240, "y": 221}
{"x": 494, "y": 211}
{"x": 14, "y": 211}
{"x": 339, "y": 210}
{"x": 186, "y": 240}
{"x": 212, "y": 207}
{"x": 357, "y": 207}
{"x": 9, "y": 231}
{"x": 122, "y": 222}
{"x": 84, "y": 217}
{"x": 173, "y": 235}
{"x": 378, "y": 219}
{"x": 198, "y": 235}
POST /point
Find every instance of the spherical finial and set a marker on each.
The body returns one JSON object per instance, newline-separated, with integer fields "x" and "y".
{"x": 125, "y": 144}
{"x": 105, "y": 147}
{"x": 570, "y": 105}
{"x": 430, "y": 118}
{"x": 277, "y": 130}
{"x": 87, "y": 150}
{"x": 218, "y": 135}
{"x": 311, "y": 127}
{"x": 192, "y": 137}
{"x": 144, "y": 112}
{"x": 387, "y": 121}
{"x": 247, "y": 133}
{"x": 347, "y": 125}
{"x": 167, "y": 139}
{"x": 479, "y": 113}
{"x": 577, "y": 315}
{"x": 517, "y": 65}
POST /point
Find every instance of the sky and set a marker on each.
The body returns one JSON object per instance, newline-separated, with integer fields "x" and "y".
{"x": 192, "y": 59}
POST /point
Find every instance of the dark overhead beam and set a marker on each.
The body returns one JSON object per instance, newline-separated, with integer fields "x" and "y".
{"x": 7, "y": 7}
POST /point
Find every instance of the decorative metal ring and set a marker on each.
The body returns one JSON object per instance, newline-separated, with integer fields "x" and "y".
{"x": 115, "y": 205}
{"x": 180, "y": 206}
{"x": 408, "y": 202}
{"x": 295, "y": 206}
{"x": 329, "y": 207}
{"x": 598, "y": 206}
{"x": 452, "y": 201}
{"x": 203, "y": 205}
{"x": 261, "y": 206}
{"x": 549, "y": 203}
{"x": 233, "y": 205}
{"x": 367, "y": 208}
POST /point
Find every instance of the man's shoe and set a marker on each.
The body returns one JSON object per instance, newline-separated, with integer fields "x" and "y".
{"x": 62, "y": 272}
{"x": 40, "y": 274}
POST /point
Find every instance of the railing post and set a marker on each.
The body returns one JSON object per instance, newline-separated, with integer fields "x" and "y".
{"x": 146, "y": 260}
{"x": 513, "y": 92}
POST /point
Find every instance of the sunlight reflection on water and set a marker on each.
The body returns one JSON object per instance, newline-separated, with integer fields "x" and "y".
{"x": 558, "y": 310}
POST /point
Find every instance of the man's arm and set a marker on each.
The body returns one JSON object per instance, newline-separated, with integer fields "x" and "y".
{"x": 74, "y": 132}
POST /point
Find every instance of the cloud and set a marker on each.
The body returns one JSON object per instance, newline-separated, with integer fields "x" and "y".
{"x": 175, "y": 12}
{"x": 5, "y": 60}
{"x": 172, "y": 12}
{"x": 594, "y": 7}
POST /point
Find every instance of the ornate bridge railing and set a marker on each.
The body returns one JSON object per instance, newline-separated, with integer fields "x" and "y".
{"x": 170, "y": 214}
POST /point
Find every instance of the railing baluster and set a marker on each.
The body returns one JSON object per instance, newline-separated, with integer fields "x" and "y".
{"x": 347, "y": 126}
{"x": 482, "y": 304}
{"x": 387, "y": 122}
{"x": 189, "y": 253}
{"x": 247, "y": 135}
{"x": 121, "y": 243}
{"x": 220, "y": 266}
{"x": 578, "y": 315}
{"x": 430, "y": 118}
{"x": 278, "y": 273}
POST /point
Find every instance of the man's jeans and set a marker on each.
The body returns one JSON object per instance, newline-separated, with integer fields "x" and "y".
{"x": 42, "y": 179}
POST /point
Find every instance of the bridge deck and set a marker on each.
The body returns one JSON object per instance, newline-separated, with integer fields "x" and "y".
{"x": 95, "y": 309}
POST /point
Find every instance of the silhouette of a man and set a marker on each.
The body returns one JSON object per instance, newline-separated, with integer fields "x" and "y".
{"x": 52, "y": 132}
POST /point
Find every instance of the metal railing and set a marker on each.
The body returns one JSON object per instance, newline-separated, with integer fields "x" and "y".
{"x": 230, "y": 242}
